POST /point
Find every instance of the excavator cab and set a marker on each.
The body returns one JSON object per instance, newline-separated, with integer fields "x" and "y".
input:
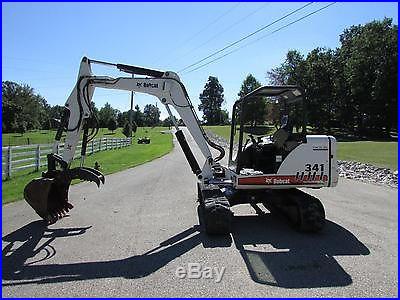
{"x": 267, "y": 125}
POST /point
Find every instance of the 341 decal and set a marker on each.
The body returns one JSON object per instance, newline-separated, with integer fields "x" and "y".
{"x": 312, "y": 172}
{"x": 315, "y": 168}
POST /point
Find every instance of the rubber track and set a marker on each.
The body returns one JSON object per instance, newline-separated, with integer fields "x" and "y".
{"x": 216, "y": 210}
{"x": 309, "y": 213}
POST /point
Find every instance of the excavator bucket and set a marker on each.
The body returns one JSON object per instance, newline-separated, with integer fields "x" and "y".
{"x": 48, "y": 195}
{"x": 48, "y": 198}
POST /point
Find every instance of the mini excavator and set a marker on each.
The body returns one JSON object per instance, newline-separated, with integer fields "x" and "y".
{"x": 271, "y": 156}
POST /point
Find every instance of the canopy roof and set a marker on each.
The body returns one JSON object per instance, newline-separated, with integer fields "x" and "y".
{"x": 287, "y": 93}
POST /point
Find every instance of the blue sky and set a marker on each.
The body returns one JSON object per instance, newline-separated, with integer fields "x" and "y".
{"x": 42, "y": 43}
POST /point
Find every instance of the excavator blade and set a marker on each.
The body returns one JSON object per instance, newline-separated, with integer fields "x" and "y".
{"x": 48, "y": 195}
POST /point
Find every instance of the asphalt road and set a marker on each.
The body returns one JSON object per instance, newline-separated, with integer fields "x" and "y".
{"x": 130, "y": 237}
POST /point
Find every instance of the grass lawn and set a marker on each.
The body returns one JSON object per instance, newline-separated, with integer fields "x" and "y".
{"x": 224, "y": 131}
{"x": 382, "y": 154}
{"x": 110, "y": 161}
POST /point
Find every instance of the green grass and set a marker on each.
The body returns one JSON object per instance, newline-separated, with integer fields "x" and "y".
{"x": 382, "y": 154}
{"x": 110, "y": 161}
{"x": 224, "y": 131}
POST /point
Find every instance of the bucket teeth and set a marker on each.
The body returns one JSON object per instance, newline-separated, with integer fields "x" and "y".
{"x": 48, "y": 195}
{"x": 87, "y": 174}
{"x": 96, "y": 172}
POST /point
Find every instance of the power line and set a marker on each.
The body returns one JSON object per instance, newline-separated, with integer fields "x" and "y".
{"x": 234, "y": 24}
{"x": 213, "y": 22}
{"x": 220, "y": 32}
{"x": 264, "y": 36}
{"x": 203, "y": 29}
{"x": 245, "y": 37}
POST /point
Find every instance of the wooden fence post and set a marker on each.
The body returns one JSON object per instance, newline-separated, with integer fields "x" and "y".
{"x": 9, "y": 162}
{"x": 37, "y": 157}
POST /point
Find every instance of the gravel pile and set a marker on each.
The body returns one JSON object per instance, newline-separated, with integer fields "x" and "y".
{"x": 367, "y": 173}
{"x": 347, "y": 169}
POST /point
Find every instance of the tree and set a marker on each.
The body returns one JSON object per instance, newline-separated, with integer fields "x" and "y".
{"x": 211, "y": 99}
{"x": 249, "y": 84}
{"x": 167, "y": 122}
{"x": 224, "y": 120}
{"x": 127, "y": 130}
{"x": 21, "y": 103}
{"x": 107, "y": 113}
{"x": 151, "y": 115}
{"x": 21, "y": 127}
{"x": 368, "y": 57}
{"x": 290, "y": 72}
{"x": 138, "y": 117}
{"x": 122, "y": 118}
{"x": 55, "y": 114}
{"x": 112, "y": 125}
{"x": 353, "y": 87}
{"x": 319, "y": 77}
{"x": 254, "y": 111}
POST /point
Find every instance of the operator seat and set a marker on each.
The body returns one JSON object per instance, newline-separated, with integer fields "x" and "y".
{"x": 282, "y": 134}
{"x": 280, "y": 137}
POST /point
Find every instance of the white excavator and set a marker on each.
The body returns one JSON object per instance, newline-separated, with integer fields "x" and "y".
{"x": 271, "y": 155}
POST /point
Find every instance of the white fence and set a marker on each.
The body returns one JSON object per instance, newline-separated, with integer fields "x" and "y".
{"x": 17, "y": 158}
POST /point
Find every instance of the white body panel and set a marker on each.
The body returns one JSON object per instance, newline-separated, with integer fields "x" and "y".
{"x": 311, "y": 164}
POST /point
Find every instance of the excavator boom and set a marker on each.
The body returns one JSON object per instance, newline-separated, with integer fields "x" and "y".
{"x": 48, "y": 195}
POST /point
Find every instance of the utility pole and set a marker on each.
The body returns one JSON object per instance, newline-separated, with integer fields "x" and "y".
{"x": 131, "y": 111}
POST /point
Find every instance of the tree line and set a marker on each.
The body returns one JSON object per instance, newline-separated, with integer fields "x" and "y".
{"x": 23, "y": 109}
{"x": 352, "y": 88}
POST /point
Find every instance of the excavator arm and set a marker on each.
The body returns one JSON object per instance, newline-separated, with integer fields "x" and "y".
{"x": 48, "y": 195}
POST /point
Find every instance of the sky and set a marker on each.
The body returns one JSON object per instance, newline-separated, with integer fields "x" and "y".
{"x": 43, "y": 43}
